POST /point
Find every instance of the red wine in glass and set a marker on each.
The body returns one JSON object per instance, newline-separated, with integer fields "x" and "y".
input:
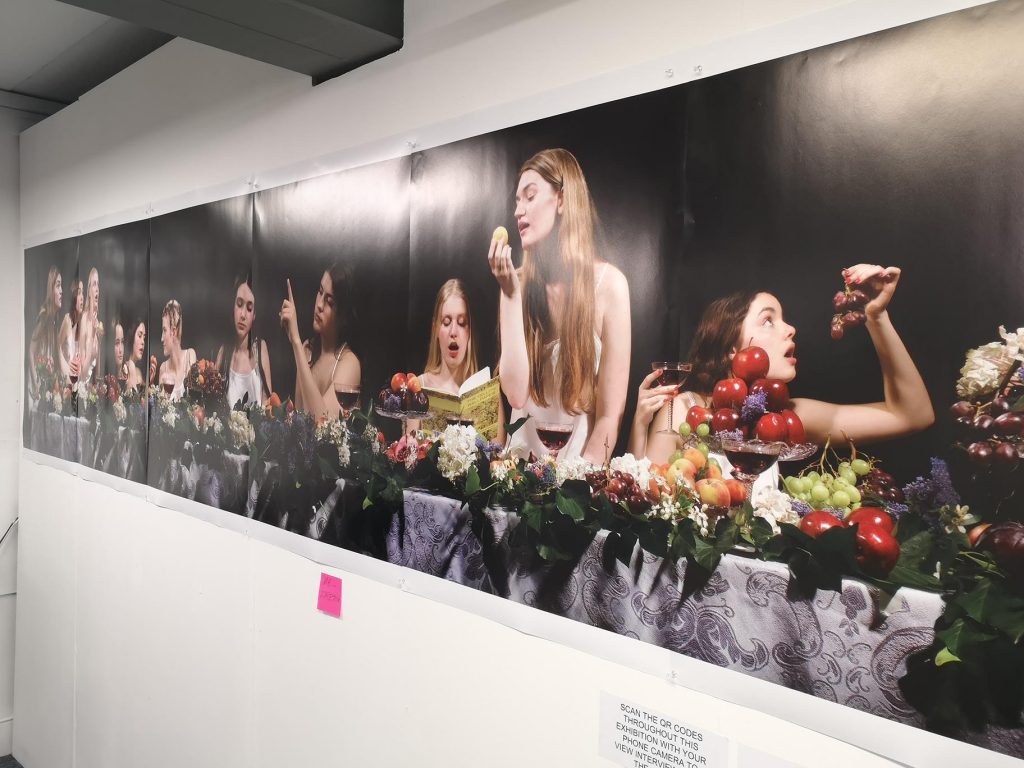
{"x": 673, "y": 374}
{"x": 554, "y": 436}
{"x": 168, "y": 388}
{"x": 454, "y": 420}
{"x": 750, "y": 462}
{"x": 348, "y": 398}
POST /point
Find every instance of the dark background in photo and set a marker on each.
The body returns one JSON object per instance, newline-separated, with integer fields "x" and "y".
{"x": 630, "y": 152}
{"x": 62, "y": 254}
{"x": 197, "y": 254}
{"x": 901, "y": 148}
{"x": 359, "y": 217}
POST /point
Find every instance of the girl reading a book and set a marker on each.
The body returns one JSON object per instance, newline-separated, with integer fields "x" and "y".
{"x": 451, "y": 357}
{"x": 563, "y": 316}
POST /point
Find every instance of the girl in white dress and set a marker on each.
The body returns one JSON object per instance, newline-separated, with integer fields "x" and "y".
{"x": 175, "y": 368}
{"x": 563, "y": 316}
{"x": 247, "y": 359}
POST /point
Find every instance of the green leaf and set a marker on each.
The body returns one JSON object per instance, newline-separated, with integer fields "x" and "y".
{"x": 552, "y": 553}
{"x": 944, "y": 657}
{"x": 515, "y": 426}
{"x": 472, "y": 481}
{"x": 569, "y": 507}
{"x": 705, "y": 554}
{"x": 727, "y": 533}
{"x": 902, "y": 576}
{"x": 760, "y": 532}
{"x": 1018, "y": 406}
{"x": 992, "y": 603}
{"x": 532, "y": 514}
{"x": 964, "y": 633}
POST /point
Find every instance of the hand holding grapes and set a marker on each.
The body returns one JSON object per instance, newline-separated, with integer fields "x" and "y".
{"x": 880, "y": 282}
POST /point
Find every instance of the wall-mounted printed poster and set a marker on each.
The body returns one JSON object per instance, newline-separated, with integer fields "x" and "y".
{"x": 732, "y": 368}
{"x": 201, "y": 301}
{"x": 113, "y": 355}
{"x": 54, "y": 305}
{"x": 332, "y": 259}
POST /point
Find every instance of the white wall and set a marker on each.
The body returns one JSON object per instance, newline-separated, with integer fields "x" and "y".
{"x": 148, "y": 637}
{"x": 11, "y": 123}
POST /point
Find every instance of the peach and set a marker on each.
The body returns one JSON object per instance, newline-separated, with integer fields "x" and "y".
{"x": 714, "y": 493}
{"x": 737, "y": 492}
{"x": 713, "y": 471}
{"x": 696, "y": 456}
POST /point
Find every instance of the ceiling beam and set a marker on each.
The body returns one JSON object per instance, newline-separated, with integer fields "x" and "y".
{"x": 319, "y": 38}
{"x": 31, "y": 105}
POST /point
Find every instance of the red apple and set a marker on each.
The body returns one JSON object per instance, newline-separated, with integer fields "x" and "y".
{"x": 725, "y": 419}
{"x": 397, "y": 382}
{"x": 771, "y": 428}
{"x": 877, "y": 550}
{"x": 975, "y": 533}
{"x": 794, "y": 426}
{"x": 816, "y": 523}
{"x": 750, "y": 363}
{"x": 737, "y": 492}
{"x": 871, "y": 516}
{"x": 698, "y": 415}
{"x": 729, "y": 393}
{"x": 776, "y": 391}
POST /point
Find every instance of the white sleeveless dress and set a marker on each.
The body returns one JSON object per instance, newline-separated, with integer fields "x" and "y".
{"x": 242, "y": 384}
{"x": 526, "y": 440}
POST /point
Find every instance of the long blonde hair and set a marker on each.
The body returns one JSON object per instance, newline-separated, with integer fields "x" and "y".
{"x": 45, "y": 333}
{"x": 435, "y": 361}
{"x": 89, "y": 308}
{"x": 576, "y": 252}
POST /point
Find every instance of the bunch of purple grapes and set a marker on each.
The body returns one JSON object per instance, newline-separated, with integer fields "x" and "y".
{"x": 849, "y": 307}
{"x": 994, "y": 434}
{"x": 881, "y": 485}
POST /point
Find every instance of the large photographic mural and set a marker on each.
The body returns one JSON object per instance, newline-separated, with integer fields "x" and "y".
{"x": 685, "y": 366}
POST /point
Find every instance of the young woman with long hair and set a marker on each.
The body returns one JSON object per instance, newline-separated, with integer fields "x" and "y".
{"x": 43, "y": 343}
{"x": 137, "y": 354}
{"x": 179, "y": 361}
{"x": 245, "y": 357}
{"x": 451, "y": 355}
{"x": 755, "y": 318}
{"x": 563, "y": 316}
{"x": 327, "y": 362}
{"x": 67, "y": 338}
{"x": 90, "y": 329}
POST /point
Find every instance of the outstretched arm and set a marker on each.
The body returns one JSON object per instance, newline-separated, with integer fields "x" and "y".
{"x": 907, "y": 407}
{"x": 307, "y": 395}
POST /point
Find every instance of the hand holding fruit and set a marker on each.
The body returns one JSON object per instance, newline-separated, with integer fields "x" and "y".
{"x": 650, "y": 399}
{"x": 880, "y": 282}
{"x": 499, "y": 257}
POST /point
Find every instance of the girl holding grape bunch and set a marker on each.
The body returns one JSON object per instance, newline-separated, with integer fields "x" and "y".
{"x": 755, "y": 319}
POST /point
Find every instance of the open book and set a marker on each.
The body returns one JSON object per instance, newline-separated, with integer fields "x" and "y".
{"x": 479, "y": 399}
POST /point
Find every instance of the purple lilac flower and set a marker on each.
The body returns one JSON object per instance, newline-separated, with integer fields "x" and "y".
{"x": 895, "y": 509}
{"x": 549, "y": 474}
{"x": 488, "y": 449}
{"x": 754, "y": 407}
{"x": 801, "y": 508}
{"x": 927, "y": 494}
{"x": 730, "y": 434}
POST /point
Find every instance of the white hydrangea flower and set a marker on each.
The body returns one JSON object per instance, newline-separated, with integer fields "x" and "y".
{"x": 170, "y": 417}
{"x": 574, "y": 468}
{"x": 240, "y": 430}
{"x": 986, "y": 366}
{"x": 213, "y": 424}
{"x": 640, "y": 469}
{"x": 120, "y": 412}
{"x": 457, "y": 451}
{"x": 699, "y": 518}
{"x": 775, "y": 506}
{"x": 666, "y": 508}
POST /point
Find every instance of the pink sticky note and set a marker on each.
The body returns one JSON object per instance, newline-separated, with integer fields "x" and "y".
{"x": 329, "y": 598}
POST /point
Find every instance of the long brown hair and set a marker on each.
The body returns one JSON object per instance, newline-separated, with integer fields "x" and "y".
{"x": 468, "y": 367}
{"x": 45, "y": 334}
{"x": 73, "y": 312}
{"x": 575, "y": 255}
{"x": 717, "y": 337}
{"x": 345, "y": 318}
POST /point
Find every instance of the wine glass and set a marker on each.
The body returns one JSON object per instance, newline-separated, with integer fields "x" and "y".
{"x": 749, "y": 458}
{"x": 167, "y": 382}
{"x": 348, "y": 398}
{"x": 554, "y": 436}
{"x": 673, "y": 374}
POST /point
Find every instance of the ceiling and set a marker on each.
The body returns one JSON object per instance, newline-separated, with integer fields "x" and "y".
{"x": 51, "y": 53}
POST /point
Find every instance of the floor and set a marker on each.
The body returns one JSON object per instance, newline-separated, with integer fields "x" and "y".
{"x": 9, "y": 762}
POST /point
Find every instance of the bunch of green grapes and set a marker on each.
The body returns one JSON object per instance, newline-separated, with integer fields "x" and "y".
{"x": 825, "y": 489}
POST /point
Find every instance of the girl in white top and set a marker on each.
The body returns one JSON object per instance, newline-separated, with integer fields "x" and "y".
{"x": 67, "y": 337}
{"x": 175, "y": 368}
{"x": 90, "y": 329}
{"x": 327, "y": 362}
{"x": 755, "y": 319}
{"x": 565, "y": 335}
{"x": 248, "y": 360}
